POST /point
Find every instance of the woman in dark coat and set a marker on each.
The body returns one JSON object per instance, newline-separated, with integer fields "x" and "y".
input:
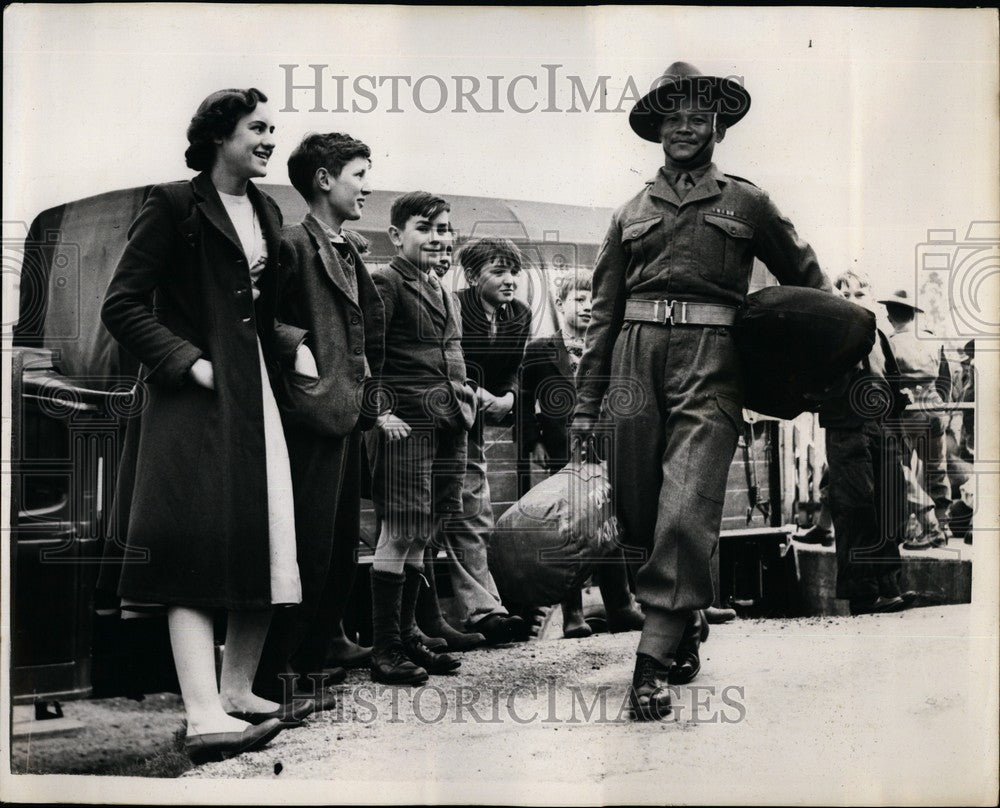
{"x": 207, "y": 515}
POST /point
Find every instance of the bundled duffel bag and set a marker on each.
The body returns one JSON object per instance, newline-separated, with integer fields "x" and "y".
{"x": 548, "y": 542}
{"x": 796, "y": 344}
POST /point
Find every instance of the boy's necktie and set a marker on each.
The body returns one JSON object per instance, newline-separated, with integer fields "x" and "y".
{"x": 435, "y": 287}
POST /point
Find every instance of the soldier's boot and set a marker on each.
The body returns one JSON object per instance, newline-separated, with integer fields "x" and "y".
{"x": 687, "y": 658}
{"x": 649, "y": 694}
{"x": 413, "y": 646}
{"x": 437, "y": 634}
{"x": 389, "y": 662}
{"x": 622, "y": 611}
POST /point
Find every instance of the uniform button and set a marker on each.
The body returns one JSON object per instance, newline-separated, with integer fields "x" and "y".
{"x": 357, "y": 351}
{"x": 247, "y": 319}
{"x": 240, "y": 292}
{"x": 360, "y": 377}
{"x": 355, "y": 320}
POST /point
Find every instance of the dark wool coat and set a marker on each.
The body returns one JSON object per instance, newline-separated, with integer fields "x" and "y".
{"x": 423, "y": 377}
{"x": 493, "y": 363}
{"x": 192, "y": 496}
{"x": 315, "y": 296}
{"x": 546, "y": 379}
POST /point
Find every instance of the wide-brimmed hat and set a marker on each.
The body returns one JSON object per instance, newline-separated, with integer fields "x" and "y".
{"x": 902, "y": 298}
{"x": 684, "y": 82}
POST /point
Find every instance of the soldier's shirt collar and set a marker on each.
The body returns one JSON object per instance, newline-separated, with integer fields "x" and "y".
{"x": 664, "y": 176}
{"x": 696, "y": 174}
{"x": 705, "y": 188}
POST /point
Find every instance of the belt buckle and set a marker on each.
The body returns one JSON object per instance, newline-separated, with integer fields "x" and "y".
{"x": 668, "y": 311}
{"x": 680, "y": 318}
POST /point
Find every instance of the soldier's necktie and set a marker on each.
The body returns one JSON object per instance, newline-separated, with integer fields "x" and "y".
{"x": 685, "y": 182}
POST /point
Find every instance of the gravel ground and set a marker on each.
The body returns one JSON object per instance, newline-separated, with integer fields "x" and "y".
{"x": 812, "y": 710}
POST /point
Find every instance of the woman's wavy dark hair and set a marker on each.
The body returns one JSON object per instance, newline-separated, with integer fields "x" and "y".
{"x": 216, "y": 118}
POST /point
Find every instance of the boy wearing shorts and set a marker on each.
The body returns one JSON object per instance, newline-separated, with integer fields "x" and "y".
{"x": 419, "y": 446}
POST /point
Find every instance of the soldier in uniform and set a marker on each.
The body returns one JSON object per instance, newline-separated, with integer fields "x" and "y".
{"x": 926, "y": 377}
{"x": 673, "y": 268}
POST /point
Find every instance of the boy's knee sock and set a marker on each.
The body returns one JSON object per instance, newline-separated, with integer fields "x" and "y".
{"x": 387, "y": 591}
{"x": 413, "y": 579}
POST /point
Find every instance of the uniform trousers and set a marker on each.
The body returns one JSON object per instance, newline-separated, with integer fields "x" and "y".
{"x": 675, "y": 398}
{"x": 924, "y": 434}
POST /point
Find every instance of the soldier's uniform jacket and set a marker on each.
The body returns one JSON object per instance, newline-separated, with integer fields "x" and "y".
{"x": 697, "y": 249}
{"x": 921, "y": 358}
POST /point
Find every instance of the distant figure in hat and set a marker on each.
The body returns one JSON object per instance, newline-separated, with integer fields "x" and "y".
{"x": 926, "y": 375}
{"x": 962, "y": 459}
{"x": 674, "y": 267}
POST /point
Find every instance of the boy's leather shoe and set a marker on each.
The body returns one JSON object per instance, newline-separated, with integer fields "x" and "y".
{"x": 627, "y": 618}
{"x": 427, "y": 659}
{"x": 816, "y": 535}
{"x": 574, "y": 626}
{"x": 714, "y": 615}
{"x": 393, "y": 667}
{"x": 878, "y": 605}
{"x": 432, "y": 643}
{"x": 501, "y": 628}
{"x": 649, "y": 696}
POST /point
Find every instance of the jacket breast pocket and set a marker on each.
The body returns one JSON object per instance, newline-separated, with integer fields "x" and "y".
{"x": 726, "y": 251}
{"x": 642, "y": 241}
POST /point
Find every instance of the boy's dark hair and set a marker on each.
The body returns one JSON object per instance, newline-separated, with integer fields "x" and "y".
{"x": 331, "y": 151}
{"x": 416, "y": 203}
{"x": 217, "y": 117}
{"x": 574, "y": 282}
{"x": 899, "y": 313}
{"x": 477, "y": 254}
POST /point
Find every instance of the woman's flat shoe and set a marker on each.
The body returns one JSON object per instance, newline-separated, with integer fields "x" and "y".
{"x": 290, "y": 715}
{"x": 214, "y": 746}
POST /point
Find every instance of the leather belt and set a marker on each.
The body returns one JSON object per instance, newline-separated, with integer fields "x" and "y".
{"x": 678, "y": 312}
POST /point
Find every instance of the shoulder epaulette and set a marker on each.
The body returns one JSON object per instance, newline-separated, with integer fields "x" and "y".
{"x": 741, "y": 179}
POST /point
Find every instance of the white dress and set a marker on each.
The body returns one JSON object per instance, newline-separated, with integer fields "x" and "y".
{"x": 286, "y": 588}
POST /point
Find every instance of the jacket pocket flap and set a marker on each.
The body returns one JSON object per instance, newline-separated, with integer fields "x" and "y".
{"x": 733, "y": 227}
{"x": 634, "y": 230}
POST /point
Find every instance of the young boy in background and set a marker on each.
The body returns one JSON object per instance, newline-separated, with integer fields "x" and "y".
{"x": 495, "y": 327}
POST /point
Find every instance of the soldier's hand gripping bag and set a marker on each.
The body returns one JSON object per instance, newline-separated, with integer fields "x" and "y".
{"x": 796, "y": 345}
{"x": 548, "y": 542}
